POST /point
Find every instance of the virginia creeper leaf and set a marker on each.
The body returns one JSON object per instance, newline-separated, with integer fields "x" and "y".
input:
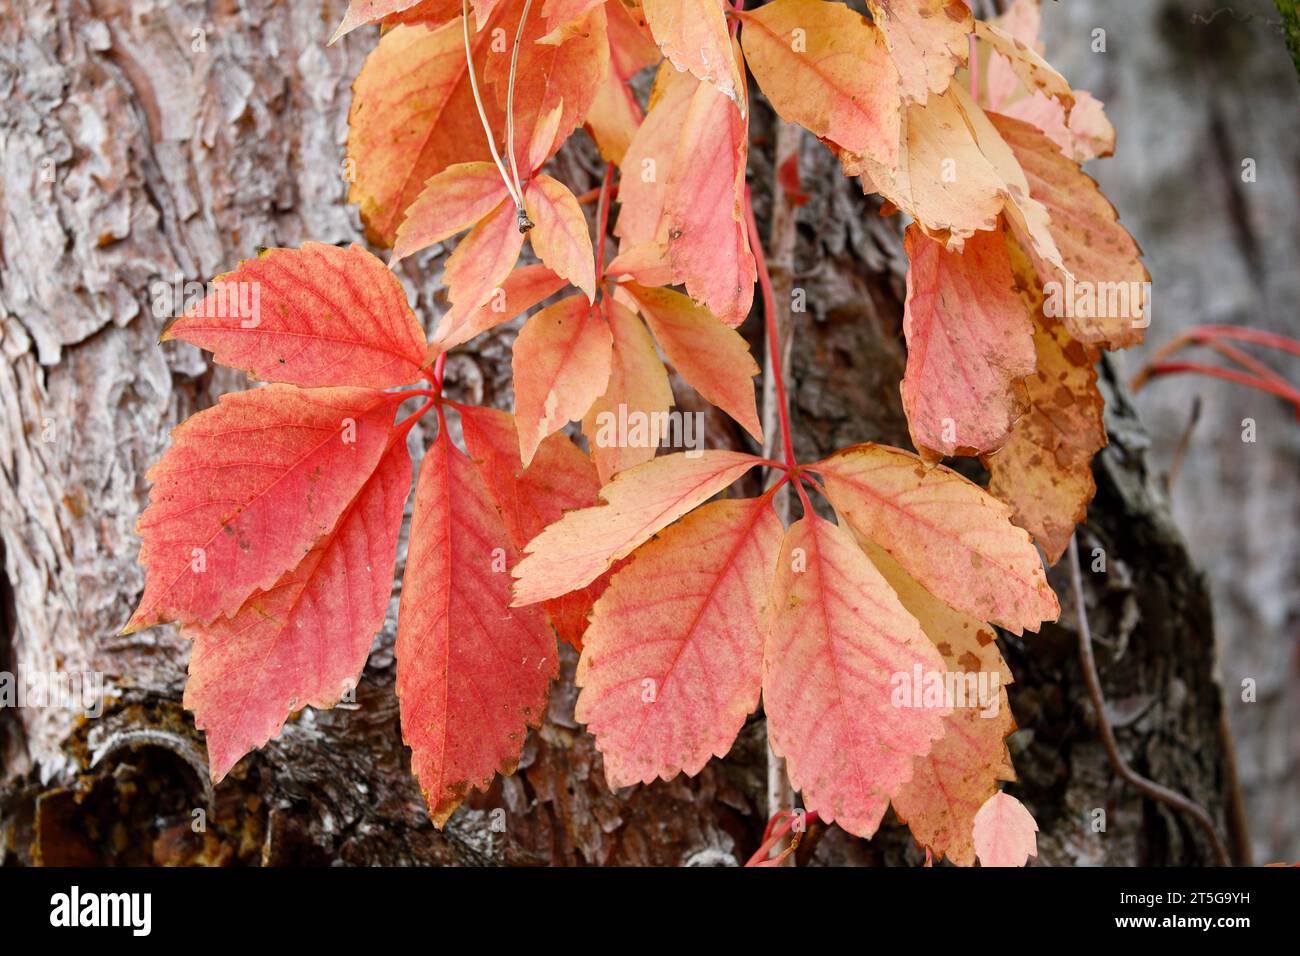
{"x": 826, "y": 67}
{"x": 714, "y": 359}
{"x": 969, "y": 341}
{"x": 962, "y": 769}
{"x": 560, "y": 237}
{"x": 639, "y": 503}
{"x": 839, "y": 635}
{"x": 454, "y": 200}
{"x": 927, "y": 40}
{"x": 1104, "y": 303}
{"x": 247, "y": 488}
{"x": 693, "y": 35}
{"x": 947, "y": 532}
{"x": 480, "y": 263}
{"x": 472, "y": 673}
{"x": 637, "y": 393}
{"x": 324, "y": 316}
{"x": 673, "y": 657}
{"x": 1004, "y": 832}
{"x": 561, "y": 365}
{"x": 524, "y": 288}
{"x": 304, "y": 641}
{"x": 560, "y": 478}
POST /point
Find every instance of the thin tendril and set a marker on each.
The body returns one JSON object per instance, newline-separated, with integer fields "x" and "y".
{"x": 482, "y": 114}
{"x": 510, "y": 102}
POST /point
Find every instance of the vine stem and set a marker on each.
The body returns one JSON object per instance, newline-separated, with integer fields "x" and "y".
{"x": 510, "y": 100}
{"x": 1152, "y": 789}
{"x": 772, "y": 333}
{"x": 602, "y": 218}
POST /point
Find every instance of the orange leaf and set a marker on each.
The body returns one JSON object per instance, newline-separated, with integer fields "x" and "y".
{"x": 1004, "y": 832}
{"x": 969, "y": 340}
{"x": 637, "y": 396}
{"x": 693, "y": 35}
{"x": 304, "y": 641}
{"x": 559, "y": 479}
{"x": 362, "y": 12}
{"x": 472, "y": 673}
{"x": 639, "y": 503}
{"x": 927, "y": 40}
{"x": 247, "y": 488}
{"x": 1103, "y": 302}
{"x": 480, "y": 263}
{"x": 524, "y": 288}
{"x": 561, "y": 365}
{"x": 961, "y": 771}
{"x": 714, "y": 359}
{"x": 826, "y": 68}
{"x": 615, "y": 113}
{"x": 1044, "y": 471}
{"x": 560, "y": 237}
{"x": 323, "y": 316}
{"x": 673, "y": 657}
{"x": 1032, "y": 70}
{"x": 947, "y": 532}
{"x": 839, "y": 636}
{"x": 451, "y": 202}
{"x": 412, "y": 116}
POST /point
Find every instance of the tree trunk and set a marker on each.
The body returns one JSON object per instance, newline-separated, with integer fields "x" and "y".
{"x": 139, "y": 142}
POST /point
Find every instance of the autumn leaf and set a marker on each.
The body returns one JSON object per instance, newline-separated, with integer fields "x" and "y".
{"x": 454, "y": 200}
{"x": 673, "y": 657}
{"x": 693, "y": 35}
{"x": 560, "y": 237}
{"x": 826, "y": 67}
{"x": 714, "y": 359}
{"x": 681, "y": 199}
{"x": 412, "y": 116}
{"x": 1044, "y": 471}
{"x": 839, "y": 635}
{"x": 951, "y": 782}
{"x": 304, "y": 641}
{"x": 926, "y": 39}
{"x": 319, "y": 315}
{"x": 560, "y": 478}
{"x": 1104, "y": 300}
{"x": 637, "y": 393}
{"x": 949, "y": 534}
{"x": 245, "y": 491}
{"x": 615, "y": 114}
{"x": 1004, "y": 832}
{"x": 1035, "y": 73}
{"x": 969, "y": 341}
{"x": 472, "y": 673}
{"x": 363, "y": 12}
{"x": 561, "y": 366}
{"x": 523, "y": 288}
{"x": 638, "y": 503}
{"x": 480, "y": 263}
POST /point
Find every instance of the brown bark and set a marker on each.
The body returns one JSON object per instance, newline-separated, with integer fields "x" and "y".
{"x": 164, "y": 160}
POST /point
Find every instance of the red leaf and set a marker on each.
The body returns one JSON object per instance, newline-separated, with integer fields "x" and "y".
{"x": 524, "y": 288}
{"x": 839, "y": 635}
{"x": 673, "y": 656}
{"x": 245, "y": 491}
{"x": 559, "y": 479}
{"x": 304, "y": 641}
{"x": 325, "y": 316}
{"x": 472, "y": 673}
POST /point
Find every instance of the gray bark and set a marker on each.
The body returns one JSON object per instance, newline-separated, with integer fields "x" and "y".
{"x": 166, "y": 159}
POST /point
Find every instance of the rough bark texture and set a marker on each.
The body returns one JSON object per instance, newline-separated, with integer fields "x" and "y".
{"x": 128, "y": 156}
